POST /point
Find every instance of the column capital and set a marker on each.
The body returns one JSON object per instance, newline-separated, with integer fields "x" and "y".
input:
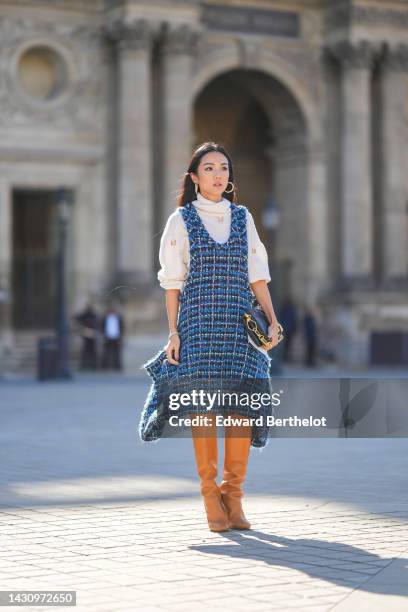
{"x": 395, "y": 57}
{"x": 359, "y": 55}
{"x": 179, "y": 40}
{"x": 138, "y": 34}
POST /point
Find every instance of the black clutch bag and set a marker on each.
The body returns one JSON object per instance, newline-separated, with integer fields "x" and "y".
{"x": 256, "y": 323}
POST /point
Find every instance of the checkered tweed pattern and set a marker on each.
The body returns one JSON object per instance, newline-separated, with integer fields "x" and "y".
{"x": 214, "y": 349}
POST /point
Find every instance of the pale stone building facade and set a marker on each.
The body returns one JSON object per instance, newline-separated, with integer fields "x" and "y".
{"x": 108, "y": 99}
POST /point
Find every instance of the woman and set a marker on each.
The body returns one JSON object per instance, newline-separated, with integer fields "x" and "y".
{"x": 208, "y": 279}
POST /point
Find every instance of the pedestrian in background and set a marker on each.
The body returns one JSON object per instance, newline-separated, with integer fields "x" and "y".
{"x": 113, "y": 330}
{"x": 87, "y": 324}
{"x": 310, "y": 336}
{"x": 288, "y": 318}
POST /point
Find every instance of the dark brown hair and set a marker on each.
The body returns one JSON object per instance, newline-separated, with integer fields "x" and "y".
{"x": 187, "y": 193}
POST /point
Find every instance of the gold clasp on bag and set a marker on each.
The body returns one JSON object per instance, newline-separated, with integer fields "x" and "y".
{"x": 253, "y": 326}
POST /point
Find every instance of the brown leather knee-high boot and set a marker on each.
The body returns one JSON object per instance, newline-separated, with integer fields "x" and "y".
{"x": 206, "y": 455}
{"x": 237, "y": 446}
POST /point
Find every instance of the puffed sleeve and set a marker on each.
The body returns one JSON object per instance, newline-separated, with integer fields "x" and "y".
{"x": 173, "y": 253}
{"x": 258, "y": 267}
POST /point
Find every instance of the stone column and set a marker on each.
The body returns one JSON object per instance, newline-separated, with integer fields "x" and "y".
{"x": 317, "y": 223}
{"x": 178, "y": 45}
{"x": 394, "y": 158}
{"x": 6, "y": 260}
{"x": 356, "y": 180}
{"x": 134, "y": 151}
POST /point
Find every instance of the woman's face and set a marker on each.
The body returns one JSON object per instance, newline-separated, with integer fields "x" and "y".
{"x": 212, "y": 175}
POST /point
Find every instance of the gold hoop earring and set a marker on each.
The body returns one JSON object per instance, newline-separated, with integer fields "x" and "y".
{"x": 233, "y": 187}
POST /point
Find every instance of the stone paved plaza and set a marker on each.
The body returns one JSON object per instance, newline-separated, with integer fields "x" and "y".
{"x": 85, "y": 506}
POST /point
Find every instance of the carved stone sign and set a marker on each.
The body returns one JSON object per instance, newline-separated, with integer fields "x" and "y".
{"x": 245, "y": 19}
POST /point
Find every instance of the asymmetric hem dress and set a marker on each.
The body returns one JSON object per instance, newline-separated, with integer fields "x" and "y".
{"x": 215, "y": 352}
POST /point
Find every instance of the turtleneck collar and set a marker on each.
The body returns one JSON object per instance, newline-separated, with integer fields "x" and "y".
{"x": 207, "y": 205}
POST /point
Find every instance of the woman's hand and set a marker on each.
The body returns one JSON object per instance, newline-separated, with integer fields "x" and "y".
{"x": 273, "y": 335}
{"x": 173, "y": 349}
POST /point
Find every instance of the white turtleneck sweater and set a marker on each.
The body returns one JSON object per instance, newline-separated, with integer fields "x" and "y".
{"x": 174, "y": 253}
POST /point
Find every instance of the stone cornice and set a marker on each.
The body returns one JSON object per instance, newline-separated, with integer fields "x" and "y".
{"x": 81, "y": 153}
{"x": 86, "y": 6}
{"x": 344, "y": 14}
{"x": 180, "y": 40}
{"x": 138, "y": 34}
{"x": 359, "y": 55}
{"x": 378, "y": 16}
{"x": 112, "y": 4}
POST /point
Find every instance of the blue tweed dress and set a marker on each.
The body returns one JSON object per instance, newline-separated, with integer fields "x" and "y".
{"x": 214, "y": 345}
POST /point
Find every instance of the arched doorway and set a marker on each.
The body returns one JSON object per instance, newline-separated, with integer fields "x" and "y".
{"x": 259, "y": 121}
